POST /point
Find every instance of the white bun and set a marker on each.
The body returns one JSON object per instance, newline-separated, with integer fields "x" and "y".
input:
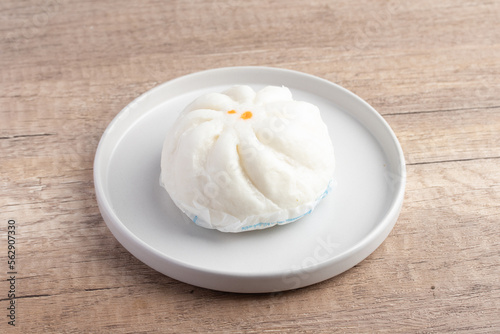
{"x": 236, "y": 172}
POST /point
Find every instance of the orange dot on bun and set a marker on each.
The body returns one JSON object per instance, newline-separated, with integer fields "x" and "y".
{"x": 246, "y": 115}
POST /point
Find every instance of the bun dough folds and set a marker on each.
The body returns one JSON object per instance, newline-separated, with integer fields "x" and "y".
{"x": 242, "y": 160}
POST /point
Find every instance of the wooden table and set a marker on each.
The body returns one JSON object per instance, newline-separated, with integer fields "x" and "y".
{"x": 430, "y": 68}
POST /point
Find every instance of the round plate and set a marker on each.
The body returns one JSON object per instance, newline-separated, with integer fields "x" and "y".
{"x": 348, "y": 225}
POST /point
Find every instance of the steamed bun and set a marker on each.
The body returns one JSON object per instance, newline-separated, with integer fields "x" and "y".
{"x": 242, "y": 160}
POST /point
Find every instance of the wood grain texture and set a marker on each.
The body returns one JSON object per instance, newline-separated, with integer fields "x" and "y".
{"x": 431, "y": 68}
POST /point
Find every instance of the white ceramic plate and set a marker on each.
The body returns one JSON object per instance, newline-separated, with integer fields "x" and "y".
{"x": 348, "y": 225}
